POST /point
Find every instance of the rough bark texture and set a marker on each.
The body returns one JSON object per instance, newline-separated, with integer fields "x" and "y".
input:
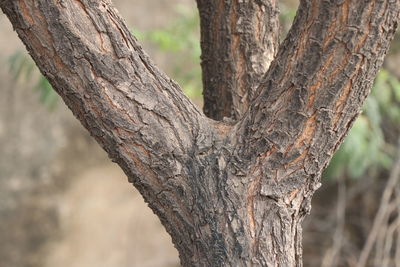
{"x": 229, "y": 195}
{"x": 239, "y": 40}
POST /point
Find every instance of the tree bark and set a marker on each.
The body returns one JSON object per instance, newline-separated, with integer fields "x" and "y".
{"x": 230, "y": 194}
{"x": 239, "y": 40}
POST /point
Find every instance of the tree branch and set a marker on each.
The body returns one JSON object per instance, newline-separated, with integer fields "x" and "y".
{"x": 228, "y": 196}
{"x": 136, "y": 113}
{"x": 239, "y": 40}
{"x": 315, "y": 87}
{"x": 306, "y": 104}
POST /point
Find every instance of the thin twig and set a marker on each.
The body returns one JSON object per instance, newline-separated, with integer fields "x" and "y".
{"x": 381, "y": 214}
{"x": 330, "y": 258}
{"x": 385, "y": 258}
{"x": 397, "y": 232}
{"x": 385, "y": 233}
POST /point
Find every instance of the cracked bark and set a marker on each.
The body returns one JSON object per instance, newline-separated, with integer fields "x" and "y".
{"x": 230, "y": 194}
{"x": 239, "y": 40}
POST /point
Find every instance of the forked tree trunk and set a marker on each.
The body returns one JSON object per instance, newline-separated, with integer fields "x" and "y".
{"x": 229, "y": 193}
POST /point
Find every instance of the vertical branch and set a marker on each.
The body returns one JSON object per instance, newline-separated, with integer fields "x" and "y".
{"x": 239, "y": 40}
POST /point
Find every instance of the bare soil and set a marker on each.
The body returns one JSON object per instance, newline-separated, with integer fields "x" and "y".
{"x": 105, "y": 223}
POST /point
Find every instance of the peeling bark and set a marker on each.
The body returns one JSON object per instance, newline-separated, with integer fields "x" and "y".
{"x": 229, "y": 194}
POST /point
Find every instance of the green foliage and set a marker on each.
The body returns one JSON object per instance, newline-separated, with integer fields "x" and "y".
{"x": 24, "y": 70}
{"x": 365, "y": 148}
{"x": 181, "y": 41}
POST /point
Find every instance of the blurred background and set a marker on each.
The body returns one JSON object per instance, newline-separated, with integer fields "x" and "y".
{"x": 63, "y": 203}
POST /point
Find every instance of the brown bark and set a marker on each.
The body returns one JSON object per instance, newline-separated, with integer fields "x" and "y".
{"x": 229, "y": 195}
{"x": 239, "y": 40}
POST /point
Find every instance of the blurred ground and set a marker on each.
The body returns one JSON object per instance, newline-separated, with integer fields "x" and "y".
{"x": 105, "y": 223}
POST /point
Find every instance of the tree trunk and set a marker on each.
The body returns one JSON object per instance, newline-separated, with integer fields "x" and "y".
{"x": 229, "y": 193}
